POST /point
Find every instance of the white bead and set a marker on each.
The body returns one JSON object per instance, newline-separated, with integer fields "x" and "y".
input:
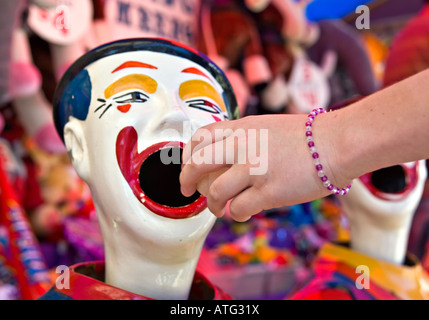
{"x": 316, "y": 161}
{"x": 321, "y": 173}
{"x": 313, "y": 150}
{"x": 326, "y": 183}
{"x": 309, "y": 139}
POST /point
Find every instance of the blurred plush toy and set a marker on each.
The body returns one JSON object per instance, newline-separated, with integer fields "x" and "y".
{"x": 327, "y": 61}
{"x": 352, "y": 73}
{"x": 62, "y": 192}
{"x": 235, "y": 46}
{"x": 274, "y": 95}
{"x": 29, "y": 102}
{"x": 24, "y": 89}
{"x": 298, "y": 84}
{"x": 66, "y": 26}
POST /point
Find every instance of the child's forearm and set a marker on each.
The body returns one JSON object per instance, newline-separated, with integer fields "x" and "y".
{"x": 384, "y": 129}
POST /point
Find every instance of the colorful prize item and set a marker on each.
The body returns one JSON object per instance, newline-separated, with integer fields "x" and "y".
{"x": 85, "y": 236}
{"x": 26, "y": 258}
{"x": 63, "y": 22}
{"x": 252, "y": 248}
{"x": 308, "y": 86}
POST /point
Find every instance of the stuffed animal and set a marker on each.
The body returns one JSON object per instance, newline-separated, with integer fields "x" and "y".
{"x": 298, "y": 84}
{"x": 24, "y": 91}
{"x": 353, "y": 73}
{"x": 62, "y": 192}
{"x": 236, "y": 47}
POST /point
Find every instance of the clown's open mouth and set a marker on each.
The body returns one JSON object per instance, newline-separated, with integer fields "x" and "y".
{"x": 390, "y": 180}
{"x": 392, "y": 183}
{"x": 160, "y": 182}
{"x": 153, "y": 176}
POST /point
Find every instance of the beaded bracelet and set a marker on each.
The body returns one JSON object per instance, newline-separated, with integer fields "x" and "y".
{"x": 309, "y": 135}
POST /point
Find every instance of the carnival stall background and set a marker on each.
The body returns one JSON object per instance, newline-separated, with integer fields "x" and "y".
{"x": 281, "y": 56}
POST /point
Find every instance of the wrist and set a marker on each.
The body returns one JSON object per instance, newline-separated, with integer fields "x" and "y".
{"x": 327, "y": 158}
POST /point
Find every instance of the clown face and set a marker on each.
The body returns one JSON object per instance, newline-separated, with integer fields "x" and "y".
{"x": 144, "y": 106}
{"x": 389, "y": 195}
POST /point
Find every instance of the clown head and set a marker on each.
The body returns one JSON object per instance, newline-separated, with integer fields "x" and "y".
{"x": 125, "y": 111}
{"x": 380, "y": 207}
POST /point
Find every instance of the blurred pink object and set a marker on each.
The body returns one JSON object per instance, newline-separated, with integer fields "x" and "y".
{"x": 62, "y": 69}
{"x": 25, "y": 79}
{"x": 1, "y": 123}
{"x": 48, "y": 139}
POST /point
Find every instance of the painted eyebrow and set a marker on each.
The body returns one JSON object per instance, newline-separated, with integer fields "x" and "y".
{"x": 195, "y": 71}
{"x": 131, "y": 81}
{"x": 134, "y": 64}
{"x": 197, "y": 88}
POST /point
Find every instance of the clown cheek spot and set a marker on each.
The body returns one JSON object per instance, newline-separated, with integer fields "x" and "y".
{"x": 124, "y": 108}
{"x": 216, "y": 118}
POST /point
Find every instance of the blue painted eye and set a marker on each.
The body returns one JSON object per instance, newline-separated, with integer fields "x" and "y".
{"x": 132, "y": 97}
{"x": 204, "y": 105}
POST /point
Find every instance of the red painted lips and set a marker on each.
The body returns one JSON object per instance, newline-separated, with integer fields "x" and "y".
{"x": 392, "y": 183}
{"x": 154, "y": 183}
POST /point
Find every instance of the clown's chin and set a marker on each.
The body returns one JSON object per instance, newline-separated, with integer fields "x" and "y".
{"x": 159, "y": 178}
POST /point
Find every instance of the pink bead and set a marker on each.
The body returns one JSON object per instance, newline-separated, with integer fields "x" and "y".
{"x": 315, "y": 155}
{"x": 319, "y": 167}
{"x": 311, "y": 144}
{"x": 308, "y": 133}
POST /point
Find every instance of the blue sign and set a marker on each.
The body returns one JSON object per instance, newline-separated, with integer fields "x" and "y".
{"x": 332, "y": 9}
